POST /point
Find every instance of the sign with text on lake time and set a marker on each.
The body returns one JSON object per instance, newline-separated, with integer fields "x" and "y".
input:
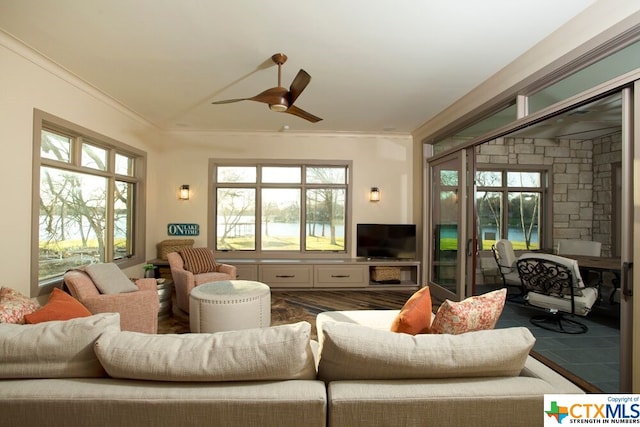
{"x": 183, "y": 229}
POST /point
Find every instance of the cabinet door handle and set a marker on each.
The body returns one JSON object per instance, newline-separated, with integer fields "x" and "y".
{"x": 285, "y": 276}
{"x": 340, "y": 276}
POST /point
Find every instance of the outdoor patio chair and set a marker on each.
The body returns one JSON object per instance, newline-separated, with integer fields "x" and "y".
{"x": 554, "y": 284}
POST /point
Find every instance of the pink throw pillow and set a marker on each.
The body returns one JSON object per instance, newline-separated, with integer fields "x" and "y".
{"x": 472, "y": 314}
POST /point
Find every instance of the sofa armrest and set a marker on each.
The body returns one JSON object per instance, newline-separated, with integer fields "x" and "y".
{"x": 138, "y": 310}
{"x": 147, "y": 284}
{"x": 228, "y": 269}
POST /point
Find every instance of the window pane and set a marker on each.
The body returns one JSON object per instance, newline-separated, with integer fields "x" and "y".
{"x": 326, "y": 175}
{"x": 124, "y": 165}
{"x": 123, "y": 220}
{"x": 489, "y": 208}
{"x": 449, "y": 178}
{"x": 236, "y": 174}
{"x": 281, "y": 219}
{"x": 615, "y": 65}
{"x": 94, "y": 157}
{"x": 55, "y": 147}
{"x": 482, "y": 126}
{"x": 488, "y": 179}
{"x": 523, "y": 179}
{"x": 524, "y": 219}
{"x": 286, "y": 174}
{"x": 72, "y": 220}
{"x": 235, "y": 219}
{"x": 325, "y": 219}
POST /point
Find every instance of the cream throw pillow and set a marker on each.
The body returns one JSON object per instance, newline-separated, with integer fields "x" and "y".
{"x": 275, "y": 353}
{"x": 356, "y": 352}
{"x": 56, "y": 349}
{"x": 109, "y": 279}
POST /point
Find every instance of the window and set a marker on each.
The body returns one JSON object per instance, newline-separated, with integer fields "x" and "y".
{"x": 89, "y": 204}
{"x": 509, "y": 206}
{"x": 280, "y": 208}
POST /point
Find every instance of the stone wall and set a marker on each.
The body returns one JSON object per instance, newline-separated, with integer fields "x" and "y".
{"x": 581, "y": 178}
{"x": 607, "y": 152}
{"x": 571, "y": 165}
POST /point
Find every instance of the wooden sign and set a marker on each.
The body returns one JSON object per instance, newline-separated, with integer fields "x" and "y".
{"x": 183, "y": 229}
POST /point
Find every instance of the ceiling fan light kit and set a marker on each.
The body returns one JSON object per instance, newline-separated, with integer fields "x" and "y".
{"x": 279, "y": 98}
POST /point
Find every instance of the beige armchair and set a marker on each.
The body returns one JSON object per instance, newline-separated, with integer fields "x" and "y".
{"x": 184, "y": 280}
{"x": 138, "y": 310}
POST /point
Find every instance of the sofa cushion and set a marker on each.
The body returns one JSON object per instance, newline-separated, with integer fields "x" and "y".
{"x": 14, "y": 306}
{"x": 198, "y": 260}
{"x": 274, "y": 353}
{"x": 60, "y": 306}
{"x": 356, "y": 352}
{"x": 109, "y": 279}
{"x": 472, "y": 314}
{"x": 54, "y": 349}
{"x": 415, "y": 315}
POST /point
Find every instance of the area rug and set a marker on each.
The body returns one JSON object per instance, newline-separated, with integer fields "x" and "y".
{"x": 282, "y": 312}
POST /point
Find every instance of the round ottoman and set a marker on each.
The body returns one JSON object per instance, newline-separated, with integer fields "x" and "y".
{"x": 229, "y": 305}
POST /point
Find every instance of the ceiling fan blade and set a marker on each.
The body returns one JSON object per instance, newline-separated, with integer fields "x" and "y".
{"x": 300, "y": 82}
{"x": 303, "y": 114}
{"x": 229, "y": 101}
{"x": 275, "y": 95}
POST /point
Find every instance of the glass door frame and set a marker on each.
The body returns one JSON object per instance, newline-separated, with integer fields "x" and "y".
{"x": 463, "y": 277}
{"x": 629, "y": 86}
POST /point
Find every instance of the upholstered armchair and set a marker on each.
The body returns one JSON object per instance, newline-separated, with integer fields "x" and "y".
{"x": 199, "y": 267}
{"x": 138, "y": 308}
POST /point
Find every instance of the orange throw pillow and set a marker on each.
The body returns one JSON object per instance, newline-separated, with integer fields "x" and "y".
{"x": 60, "y": 306}
{"x": 415, "y": 316}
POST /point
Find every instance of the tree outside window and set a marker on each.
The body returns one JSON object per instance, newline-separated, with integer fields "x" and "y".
{"x": 86, "y": 209}
{"x": 299, "y": 208}
{"x": 508, "y": 206}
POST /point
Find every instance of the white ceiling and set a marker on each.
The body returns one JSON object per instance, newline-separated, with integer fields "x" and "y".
{"x": 376, "y": 65}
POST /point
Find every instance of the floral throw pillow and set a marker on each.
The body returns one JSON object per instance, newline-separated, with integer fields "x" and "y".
{"x": 472, "y": 314}
{"x": 14, "y": 306}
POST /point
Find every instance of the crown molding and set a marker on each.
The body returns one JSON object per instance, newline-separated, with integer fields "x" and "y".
{"x": 42, "y": 61}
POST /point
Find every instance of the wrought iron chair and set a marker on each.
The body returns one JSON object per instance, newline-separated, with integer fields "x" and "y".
{"x": 554, "y": 283}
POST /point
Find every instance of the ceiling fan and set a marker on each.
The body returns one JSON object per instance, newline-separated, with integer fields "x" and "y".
{"x": 279, "y": 98}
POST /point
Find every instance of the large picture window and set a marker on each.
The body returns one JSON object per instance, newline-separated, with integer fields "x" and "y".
{"x": 280, "y": 208}
{"x": 509, "y": 206}
{"x": 89, "y": 198}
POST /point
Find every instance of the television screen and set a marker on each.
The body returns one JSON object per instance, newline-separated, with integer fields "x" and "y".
{"x": 396, "y": 241}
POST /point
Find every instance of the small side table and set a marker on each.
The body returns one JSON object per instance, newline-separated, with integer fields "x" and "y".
{"x": 165, "y": 292}
{"x": 229, "y": 305}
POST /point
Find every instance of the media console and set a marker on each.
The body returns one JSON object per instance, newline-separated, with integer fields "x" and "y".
{"x": 293, "y": 274}
{"x": 326, "y": 274}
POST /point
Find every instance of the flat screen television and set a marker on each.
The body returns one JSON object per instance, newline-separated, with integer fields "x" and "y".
{"x": 386, "y": 241}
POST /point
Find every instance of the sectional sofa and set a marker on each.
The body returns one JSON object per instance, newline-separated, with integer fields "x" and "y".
{"x": 86, "y": 372}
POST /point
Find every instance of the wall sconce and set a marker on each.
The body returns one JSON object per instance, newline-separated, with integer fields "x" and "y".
{"x": 374, "y": 194}
{"x": 184, "y": 192}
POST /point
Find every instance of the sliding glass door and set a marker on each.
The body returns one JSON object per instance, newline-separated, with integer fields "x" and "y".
{"x": 447, "y": 224}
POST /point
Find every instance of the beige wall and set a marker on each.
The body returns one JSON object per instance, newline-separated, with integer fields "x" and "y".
{"x": 378, "y": 161}
{"x": 28, "y": 81}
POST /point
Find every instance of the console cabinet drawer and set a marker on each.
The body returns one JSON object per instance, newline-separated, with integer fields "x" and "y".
{"x": 247, "y": 272}
{"x": 327, "y": 276}
{"x": 287, "y": 276}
